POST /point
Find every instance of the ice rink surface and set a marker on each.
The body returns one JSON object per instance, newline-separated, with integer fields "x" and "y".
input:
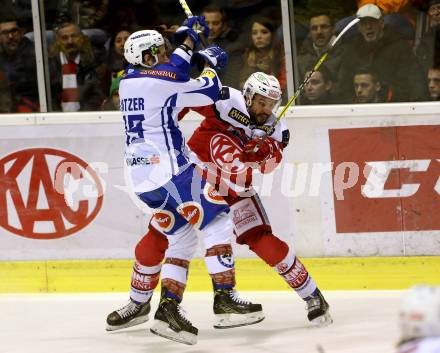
{"x": 364, "y": 322}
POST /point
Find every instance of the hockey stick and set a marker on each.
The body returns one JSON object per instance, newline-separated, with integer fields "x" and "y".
{"x": 306, "y": 80}
{"x": 188, "y": 13}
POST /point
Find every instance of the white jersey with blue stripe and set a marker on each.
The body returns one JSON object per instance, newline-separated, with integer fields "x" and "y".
{"x": 150, "y": 101}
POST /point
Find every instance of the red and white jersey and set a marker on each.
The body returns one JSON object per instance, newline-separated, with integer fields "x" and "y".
{"x": 219, "y": 141}
{"x": 425, "y": 345}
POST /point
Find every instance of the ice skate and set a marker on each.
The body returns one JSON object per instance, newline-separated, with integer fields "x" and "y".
{"x": 170, "y": 322}
{"x": 131, "y": 314}
{"x": 318, "y": 311}
{"x": 232, "y": 311}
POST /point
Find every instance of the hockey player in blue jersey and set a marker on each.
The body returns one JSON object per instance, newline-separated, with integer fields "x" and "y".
{"x": 153, "y": 90}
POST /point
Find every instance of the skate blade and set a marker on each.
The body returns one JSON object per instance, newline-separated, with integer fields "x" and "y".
{"x": 237, "y": 320}
{"x": 137, "y": 321}
{"x": 162, "y": 329}
{"x": 322, "y": 321}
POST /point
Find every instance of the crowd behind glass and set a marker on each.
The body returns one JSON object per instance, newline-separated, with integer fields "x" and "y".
{"x": 392, "y": 55}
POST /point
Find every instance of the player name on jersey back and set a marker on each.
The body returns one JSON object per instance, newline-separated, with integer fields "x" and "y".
{"x": 132, "y": 104}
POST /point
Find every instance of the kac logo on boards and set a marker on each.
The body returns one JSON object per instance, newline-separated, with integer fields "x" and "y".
{"x": 47, "y": 193}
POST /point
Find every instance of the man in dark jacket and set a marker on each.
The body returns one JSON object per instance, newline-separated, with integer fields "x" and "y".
{"x": 321, "y": 33}
{"x": 17, "y": 60}
{"x": 74, "y": 71}
{"x": 386, "y": 54}
{"x": 226, "y": 37}
{"x": 428, "y": 51}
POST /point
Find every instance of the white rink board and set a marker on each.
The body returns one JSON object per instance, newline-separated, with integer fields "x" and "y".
{"x": 297, "y": 216}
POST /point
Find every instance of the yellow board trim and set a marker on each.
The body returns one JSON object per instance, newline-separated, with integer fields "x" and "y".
{"x": 252, "y": 274}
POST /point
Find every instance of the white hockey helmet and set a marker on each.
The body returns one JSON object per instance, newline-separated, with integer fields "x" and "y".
{"x": 264, "y": 84}
{"x": 140, "y": 41}
{"x": 420, "y": 313}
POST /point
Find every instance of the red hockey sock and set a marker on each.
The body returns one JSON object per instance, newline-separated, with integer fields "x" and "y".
{"x": 268, "y": 247}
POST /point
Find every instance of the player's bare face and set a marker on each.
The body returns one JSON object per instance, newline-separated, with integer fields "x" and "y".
{"x": 261, "y": 36}
{"x": 261, "y": 108}
{"x": 371, "y": 29}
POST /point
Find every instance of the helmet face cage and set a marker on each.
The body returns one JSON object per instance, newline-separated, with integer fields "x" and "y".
{"x": 263, "y": 84}
{"x": 420, "y": 313}
{"x": 139, "y": 42}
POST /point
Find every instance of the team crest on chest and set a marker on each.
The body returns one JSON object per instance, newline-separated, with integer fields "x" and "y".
{"x": 226, "y": 154}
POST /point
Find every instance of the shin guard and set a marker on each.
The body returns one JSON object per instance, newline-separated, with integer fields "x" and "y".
{"x": 296, "y": 275}
{"x": 219, "y": 261}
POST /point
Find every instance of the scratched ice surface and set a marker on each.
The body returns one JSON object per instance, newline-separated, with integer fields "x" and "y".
{"x": 364, "y": 322}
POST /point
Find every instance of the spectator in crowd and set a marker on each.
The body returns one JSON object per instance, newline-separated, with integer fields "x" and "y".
{"x": 428, "y": 51}
{"x": 264, "y": 54}
{"x": 220, "y": 32}
{"x": 115, "y": 58}
{"x": 318, "y": 89}
{"x": 85, "y": 13}
{"x": 386, "y": 54}
{"x": 367, "y": 87}
{"x": 167, "y": 31}
{"x": 112, "y": 101}
{"x": 5, "y": 95}
{"x": 399, "y": 15}
{"x": 73, "y": 71}
{"x": 223, "y": 35}
{"x": 321, "y": 33}
{"x": 434, "y": 83}
{"x": 17, "y": 58}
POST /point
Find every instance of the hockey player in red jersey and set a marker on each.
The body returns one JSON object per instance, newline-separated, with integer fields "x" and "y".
{"x": 225, "y": 143}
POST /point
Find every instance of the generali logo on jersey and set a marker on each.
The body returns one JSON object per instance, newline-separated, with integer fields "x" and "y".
{"x": 47, "y": 193}
{"x": 399, "y": 189}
